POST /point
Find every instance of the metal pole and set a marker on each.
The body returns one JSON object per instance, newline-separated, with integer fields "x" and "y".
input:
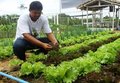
{"x": 101, "y": 19}
{"x": 54, "y": 19}
{"x": 82, "y": 18}
{"x": 113, "y": 18}
{"x": 57, "y": 19}
{"x": 118, "y": 17}
{"x": 60, "y": 7}
{"x": 109, "y": 19}
{"x": 87, "y": 18}
{"x": 93, "y": 19}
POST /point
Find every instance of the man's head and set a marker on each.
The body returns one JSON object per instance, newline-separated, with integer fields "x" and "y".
{"x": 35, "y": 10}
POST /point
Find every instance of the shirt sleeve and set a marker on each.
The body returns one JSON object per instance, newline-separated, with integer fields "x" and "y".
{"x": 46, "y": 27}
{"x": 23, "y": 26}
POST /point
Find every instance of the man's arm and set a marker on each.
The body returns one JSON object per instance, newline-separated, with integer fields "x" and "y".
{"x": 52, "y": 38}
{"x": 33, "y": 40}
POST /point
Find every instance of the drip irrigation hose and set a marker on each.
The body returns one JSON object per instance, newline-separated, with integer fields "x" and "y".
{"x": 13, "y": 78}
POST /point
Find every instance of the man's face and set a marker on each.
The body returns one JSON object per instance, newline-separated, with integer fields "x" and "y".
{"x": 35, "y": 14}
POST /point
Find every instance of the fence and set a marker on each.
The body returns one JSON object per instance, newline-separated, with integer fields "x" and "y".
{"x": 7, "y": 34}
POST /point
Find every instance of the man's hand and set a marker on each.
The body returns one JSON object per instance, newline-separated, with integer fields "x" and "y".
{"x": 47, "y": 46}
{"x": 55, "y": 45}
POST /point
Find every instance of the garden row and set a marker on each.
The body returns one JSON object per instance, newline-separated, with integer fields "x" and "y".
{"x": 68, "y": 71}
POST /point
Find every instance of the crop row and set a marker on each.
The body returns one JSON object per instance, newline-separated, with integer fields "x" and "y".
{"x": 68, "y": 71}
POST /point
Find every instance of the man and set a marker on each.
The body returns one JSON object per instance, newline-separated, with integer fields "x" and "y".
{"x": 28, "y": 29}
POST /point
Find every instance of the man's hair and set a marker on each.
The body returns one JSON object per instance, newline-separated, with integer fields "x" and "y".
{"x": 36, "y": 5}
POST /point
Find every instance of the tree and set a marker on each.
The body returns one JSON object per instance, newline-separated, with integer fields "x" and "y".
{"x": 22, "y": 7}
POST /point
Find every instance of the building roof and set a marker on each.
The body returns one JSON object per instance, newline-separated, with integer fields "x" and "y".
{"x": 71, "y": 3}
{"x": 94, "y": 5}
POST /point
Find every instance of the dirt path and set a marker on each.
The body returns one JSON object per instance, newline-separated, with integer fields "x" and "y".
{"x": 4, "y": 65}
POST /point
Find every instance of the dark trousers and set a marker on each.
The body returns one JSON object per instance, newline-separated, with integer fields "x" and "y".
{"x": 20, "y": 46}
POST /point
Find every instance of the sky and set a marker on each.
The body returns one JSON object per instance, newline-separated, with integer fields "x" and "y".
{"x": 50, "y": 7}
{"x": 12, "y": 6}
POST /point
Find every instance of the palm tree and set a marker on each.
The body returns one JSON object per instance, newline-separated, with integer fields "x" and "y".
{"x": 22, "y": 6}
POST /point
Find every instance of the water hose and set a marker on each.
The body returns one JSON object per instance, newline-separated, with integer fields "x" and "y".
{"x": 13, "y": 78}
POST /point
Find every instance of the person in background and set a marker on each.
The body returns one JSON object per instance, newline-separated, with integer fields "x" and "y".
{"x": 28, "y": 29}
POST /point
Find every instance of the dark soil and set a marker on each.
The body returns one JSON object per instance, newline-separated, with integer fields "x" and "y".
{"x": 58, "y": 58}
{"x": 109, "y": 74}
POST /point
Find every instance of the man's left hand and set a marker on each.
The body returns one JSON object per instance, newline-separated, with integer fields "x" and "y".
{"x": 55, "y": 45}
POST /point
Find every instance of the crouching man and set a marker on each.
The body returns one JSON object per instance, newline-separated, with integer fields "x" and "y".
{"x": 28, "y": 30}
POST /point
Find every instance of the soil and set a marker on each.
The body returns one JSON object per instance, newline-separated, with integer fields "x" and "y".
{"x": 4, "y": 67}
{"x": 109, "y": 74}
{"x": 70, "y": 56}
